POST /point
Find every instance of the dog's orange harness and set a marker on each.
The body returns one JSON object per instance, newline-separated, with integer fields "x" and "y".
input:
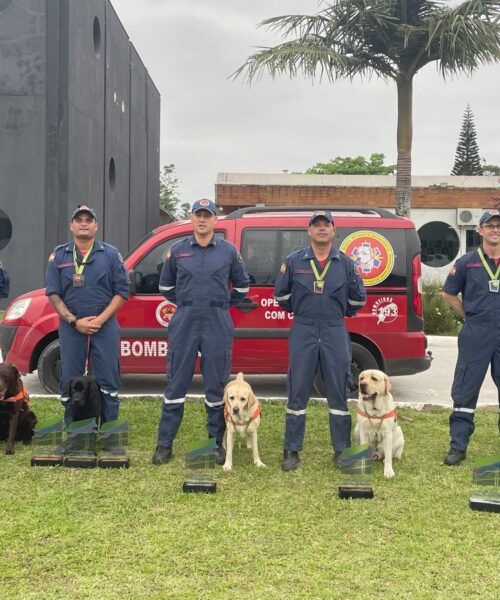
{"x": 386, "y": 416}
{"x": 227, "y": 416}
{"x": 23, "y": 395}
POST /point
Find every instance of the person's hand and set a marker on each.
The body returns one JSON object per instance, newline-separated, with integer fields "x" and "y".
{"x": 88, "y": 325}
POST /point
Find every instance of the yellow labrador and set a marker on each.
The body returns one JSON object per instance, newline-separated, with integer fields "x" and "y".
{"x": 376, "y": 418}
{"x": 242, "y": 414}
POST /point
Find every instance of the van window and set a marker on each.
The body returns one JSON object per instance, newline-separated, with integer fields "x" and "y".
{"x": 264, "y": 250}
{"x": 147, "y": 270}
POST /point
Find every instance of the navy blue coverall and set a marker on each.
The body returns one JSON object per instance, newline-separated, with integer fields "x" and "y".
{"x": 4, "y": 282}
{"x": 197, "y": 279}
{"x": 319, "y": 339}
{"x": 105, "y": 277}
{"x": 478, "y": 342}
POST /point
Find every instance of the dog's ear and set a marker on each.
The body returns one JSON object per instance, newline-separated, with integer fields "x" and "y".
{"x": 388, "y": 386}
{"x": 15, "y": 370}
{"x": 252, "y": 400}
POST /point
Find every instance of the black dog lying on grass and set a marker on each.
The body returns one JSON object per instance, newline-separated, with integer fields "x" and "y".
{"x": 17, "y": 421}
{"x": 85, "y": 398}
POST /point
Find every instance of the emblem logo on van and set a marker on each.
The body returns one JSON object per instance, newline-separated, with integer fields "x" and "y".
{"x": 372, "y": 254}
{"x": 386, "y": 310}
{"x": 164, "y": 312}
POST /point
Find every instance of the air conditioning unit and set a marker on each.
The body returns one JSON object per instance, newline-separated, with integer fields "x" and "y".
{"x": 468, "y": 217}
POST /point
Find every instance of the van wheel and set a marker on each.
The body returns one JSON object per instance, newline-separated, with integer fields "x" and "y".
{"x": 49, "y": 365}
{"x": 362, "y": 359}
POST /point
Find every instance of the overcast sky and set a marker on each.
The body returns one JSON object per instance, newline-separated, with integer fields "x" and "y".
{"x": 212, "y": 124}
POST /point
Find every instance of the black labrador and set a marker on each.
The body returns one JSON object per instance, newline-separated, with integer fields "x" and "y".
{"x": 85, "y": 398}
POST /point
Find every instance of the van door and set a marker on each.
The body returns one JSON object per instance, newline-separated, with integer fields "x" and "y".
{"x": 262, "y": 326}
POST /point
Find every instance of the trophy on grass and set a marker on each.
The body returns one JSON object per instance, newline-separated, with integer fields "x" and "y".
{"x": 80, "y": 444}
{"x": 200, "y": 463}
{"x": 356, "y": 472}
{"x": 113, "y": 439}
{"x": 47, "y": 444}
{"x": 486, "y": 482}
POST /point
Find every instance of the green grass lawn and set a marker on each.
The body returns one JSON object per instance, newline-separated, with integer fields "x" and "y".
{"x": 69, "y": 533}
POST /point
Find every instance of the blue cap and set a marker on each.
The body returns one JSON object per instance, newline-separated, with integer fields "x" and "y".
{"x": 326, "y": 214}
{"x": 489, "y": 214}
{"x": 204, "y": 204}
{"x": 83, "y": 208}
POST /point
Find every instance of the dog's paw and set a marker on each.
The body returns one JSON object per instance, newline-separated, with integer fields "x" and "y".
{"x": 227, "y": 467}
{"x": 389, "y": 472}
{"x": 259, "y": 463}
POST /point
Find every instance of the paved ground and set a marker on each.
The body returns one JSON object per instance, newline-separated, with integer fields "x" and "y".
{"x": 431, "y": 387}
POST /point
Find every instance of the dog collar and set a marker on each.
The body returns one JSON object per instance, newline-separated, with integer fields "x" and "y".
{"x": 22, "y": 394}
{"x": 386, "y": 416}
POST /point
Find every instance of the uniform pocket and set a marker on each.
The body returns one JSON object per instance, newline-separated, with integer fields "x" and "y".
{"x": 226, "y": 366}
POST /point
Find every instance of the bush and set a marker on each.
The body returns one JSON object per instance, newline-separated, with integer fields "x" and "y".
{"x": 439, "y": 318}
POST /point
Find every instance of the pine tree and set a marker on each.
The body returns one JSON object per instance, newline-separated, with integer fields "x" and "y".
{"x": 467, "y": 161}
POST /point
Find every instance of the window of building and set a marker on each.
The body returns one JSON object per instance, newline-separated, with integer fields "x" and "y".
{"x": 264, "y": 250}
{"x": 147, "y": 271}
{"x": 5, "y": 230}
{"x": 472, "y": 240}
{"x": 440, "y": 244}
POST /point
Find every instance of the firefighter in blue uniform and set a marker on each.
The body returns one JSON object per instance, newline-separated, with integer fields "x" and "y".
{"x": 4, "y": 282}
{"x": 196, "y": 276}
{"x": 476, "y": 276}
{"x": 86, "y": 284}
{"x": 321, "y": 286}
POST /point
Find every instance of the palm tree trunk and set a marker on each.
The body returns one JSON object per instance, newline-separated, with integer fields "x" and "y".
{"x": 404, "y": 135}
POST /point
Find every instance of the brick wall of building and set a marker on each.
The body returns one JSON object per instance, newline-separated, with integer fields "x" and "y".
{"x": 231, "y": 196}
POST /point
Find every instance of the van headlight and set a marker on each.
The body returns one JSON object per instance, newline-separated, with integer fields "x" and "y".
{"x": 17, "y": 309}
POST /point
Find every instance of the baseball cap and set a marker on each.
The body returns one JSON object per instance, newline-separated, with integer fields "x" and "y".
{"x": 204, "y": 204}
{"x": 489, "y": 214}
{"x": 83, "y": 208}
{"x": 326, "y": 214}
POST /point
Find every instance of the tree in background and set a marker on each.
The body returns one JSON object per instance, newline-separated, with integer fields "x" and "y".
{"x": 392, "y": 39}
{"x": 467, "y": 161}
{"x": 346, "y": 165}
{"x": 169, "y": 193}
{"x": 490, "y": 169}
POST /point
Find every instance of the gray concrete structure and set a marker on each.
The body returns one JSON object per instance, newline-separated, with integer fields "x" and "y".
{"x": 79, "y": 123}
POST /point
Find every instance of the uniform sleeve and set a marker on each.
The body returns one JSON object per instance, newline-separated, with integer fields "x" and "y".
{"x": 356, "y": 295}
{"x": 239, "y": 278}
{"x": 455, "y": 282}
{"x": 168, "y": 277}
{"x": 120, "y": 277}
{"x": 52, "y": 277}
{"x": 283, "y": 286}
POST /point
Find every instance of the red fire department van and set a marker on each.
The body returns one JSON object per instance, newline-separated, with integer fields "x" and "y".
{"x": 386, "y": 334}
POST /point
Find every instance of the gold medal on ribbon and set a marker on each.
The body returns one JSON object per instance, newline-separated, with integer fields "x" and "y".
{"x": 493, "y": 283}
{"x": 319, "y": 284}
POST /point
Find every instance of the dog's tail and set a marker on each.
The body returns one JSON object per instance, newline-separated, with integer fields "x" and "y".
{"x": 239, "y": 377}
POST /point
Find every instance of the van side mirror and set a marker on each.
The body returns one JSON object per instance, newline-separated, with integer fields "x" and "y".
{"x": 132, "y": 285}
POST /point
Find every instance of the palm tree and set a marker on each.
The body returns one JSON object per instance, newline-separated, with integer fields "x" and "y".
{"x": 392, "y": 39}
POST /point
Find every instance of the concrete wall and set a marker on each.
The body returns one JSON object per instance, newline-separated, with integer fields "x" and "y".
{"x": 22, "y": 138}
{"x": 79, "y": 123}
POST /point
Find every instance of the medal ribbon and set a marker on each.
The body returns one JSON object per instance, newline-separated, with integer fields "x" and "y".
{"x": 320, "y": 276}
{"x": 487, "y": 266}
{"x": 79, "y": 267}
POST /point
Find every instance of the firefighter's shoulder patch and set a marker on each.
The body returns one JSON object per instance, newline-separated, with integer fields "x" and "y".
{"x": 52, "y": 257}
{"x": 453, "y": 270}
{"x": 283, "y": 267}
